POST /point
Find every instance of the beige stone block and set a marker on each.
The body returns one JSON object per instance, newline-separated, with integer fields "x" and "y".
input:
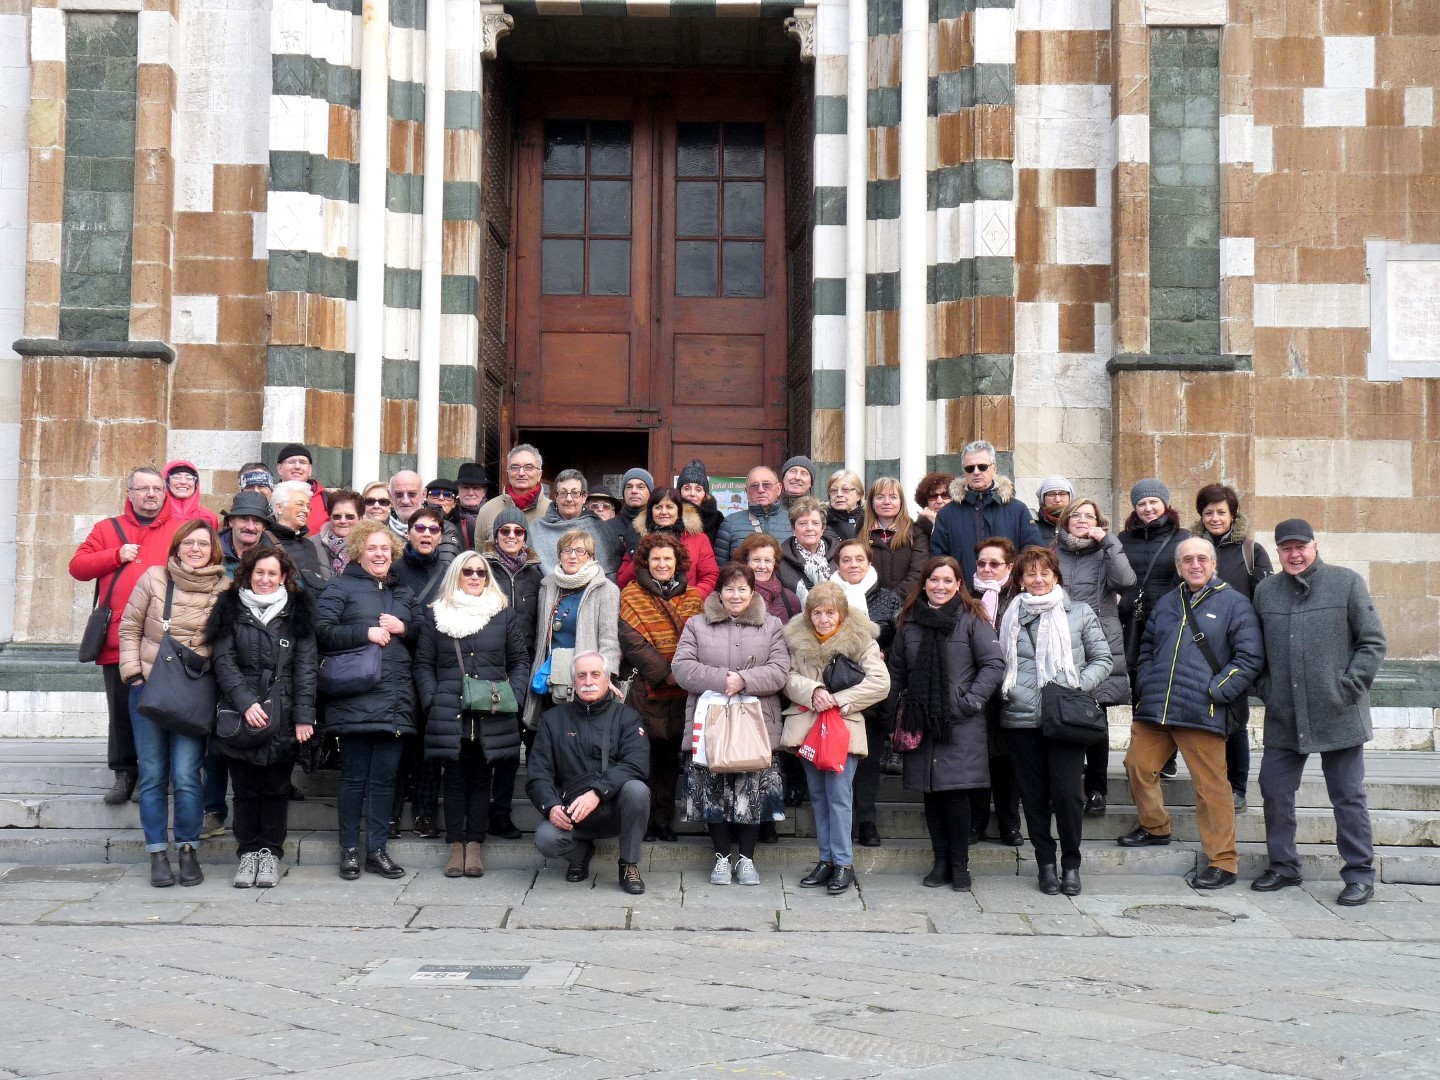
{"x": 1062, "y": 57}
{"x": 1149, "y": 401}
{"x": 1300, "y": 408}
{"x": 240, "y": 188}
{"x": 1290, "y": 62}
{"x": 1216, "y": 402}
{"x": 1312, "y": 305}
{"x": 1186, "y": 12}
{"x": 47, "y": 122}
{"x": 1319, "y": 467}
{"x": 1048, "y": 459}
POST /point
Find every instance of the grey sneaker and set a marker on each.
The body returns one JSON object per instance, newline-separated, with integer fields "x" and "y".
{"x": 745, "y": 872}
{"x": 249, "y": 867}
{"x": 721, "y": 874}
{"x": 268, "y": 876}
{"x": 212, "y": 826}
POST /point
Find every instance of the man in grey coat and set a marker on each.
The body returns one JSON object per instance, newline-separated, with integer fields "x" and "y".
{"x": 1324, "y": 644}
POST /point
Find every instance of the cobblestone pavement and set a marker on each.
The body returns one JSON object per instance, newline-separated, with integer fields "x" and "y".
{"x": 103, "y": 976}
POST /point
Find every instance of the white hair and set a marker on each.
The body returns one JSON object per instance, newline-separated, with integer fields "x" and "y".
{"x": 979, "y": 446}
{"x": 525, "y": 448}
{"x": 282, "y": 493}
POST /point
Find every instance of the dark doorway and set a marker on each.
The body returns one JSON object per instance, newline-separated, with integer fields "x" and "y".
{"x": 597, "y": 454}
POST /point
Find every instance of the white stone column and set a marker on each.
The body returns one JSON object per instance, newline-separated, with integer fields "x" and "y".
{"x": 914, "y": 242}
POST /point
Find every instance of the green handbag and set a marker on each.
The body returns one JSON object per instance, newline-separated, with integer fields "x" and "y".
{"x": 484, "y": 695}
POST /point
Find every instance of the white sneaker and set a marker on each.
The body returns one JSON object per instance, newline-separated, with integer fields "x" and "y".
{"x": 745, "y": 872}
{"x": 268, "y": 876}
{"x": 721, "y": 874}
{"x": 249, "y": 867}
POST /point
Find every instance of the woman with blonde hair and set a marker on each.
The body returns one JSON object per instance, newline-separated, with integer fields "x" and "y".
{"x": 844, "y": 515}
{"x": 898, "y": 546}
{"x": 375, "y": 502}
{"x": 470, "y": 632}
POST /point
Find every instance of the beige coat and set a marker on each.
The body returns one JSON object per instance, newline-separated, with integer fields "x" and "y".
{"x": 141, "y": 627}
{"x": 855, "y": 638}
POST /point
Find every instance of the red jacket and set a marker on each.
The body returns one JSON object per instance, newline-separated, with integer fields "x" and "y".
{"x": 98, "y": 559}
{"x": 704, "y": 570}
{"x": 319, "y": 515}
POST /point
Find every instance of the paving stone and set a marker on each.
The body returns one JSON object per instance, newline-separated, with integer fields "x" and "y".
{"x": 120, "y": 913}
{"x": 963, "y": 922}
{"x": 1065, "y": 925}
{"x": 455, "y": 916}
{"x": 16, "y": 912}
{"x": 496, "y": 887}
{"x": 585, "y": 914}
{"x": 469, "y": 1048}
{"x": 646, "y": 1046}
{"x": 388, "y": 1067}
{"x": 875, "y": 922}
{"x": 699, "y": 916}
{"x": 298, "y": 914}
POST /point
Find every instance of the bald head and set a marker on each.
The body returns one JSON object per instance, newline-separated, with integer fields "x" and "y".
{"x": 405, "y": 489}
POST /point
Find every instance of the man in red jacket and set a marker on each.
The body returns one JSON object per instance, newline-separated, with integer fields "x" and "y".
{"x": 114, "y": 555}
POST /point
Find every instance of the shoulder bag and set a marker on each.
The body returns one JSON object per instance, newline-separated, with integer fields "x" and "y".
{"x": 483, "y": 695}
{"x": 842, "y": 673}
{"x": 903, "y": 739}
{"x": 180, "y": 693}
{"x": 1234, "y": 717}
{"x": 352, "y": 671}
{"x": 231, "y": 727}
{"x": 735, "y": 737}
{"x": 97, "y": 626}
{"x": 1069, "y": 715}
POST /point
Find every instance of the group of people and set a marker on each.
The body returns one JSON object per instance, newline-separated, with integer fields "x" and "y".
{"x": 433, "y": 630}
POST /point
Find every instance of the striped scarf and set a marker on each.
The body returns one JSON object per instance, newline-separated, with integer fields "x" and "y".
{"x": 659, "y": 622}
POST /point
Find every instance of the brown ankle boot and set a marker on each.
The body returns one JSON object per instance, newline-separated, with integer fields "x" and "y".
{"x": 455, "y": 864}
{"x": 473, "y": 866}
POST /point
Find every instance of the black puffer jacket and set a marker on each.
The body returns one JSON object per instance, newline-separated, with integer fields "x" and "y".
{"x": 302, "y": 553}
{"x": 495, "y": 652}
{"x": 710, "y": 518}
{"x": 521, "y": 590}
{"x": 351, "y": 604}
{"x": 244, "y": 650}
{"x": 1142, "y": 543}
{"x": 421, "y": 574}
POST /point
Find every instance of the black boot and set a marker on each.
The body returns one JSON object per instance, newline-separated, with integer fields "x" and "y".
{"x": 379, "y": 862}
{"x": 190, "y": 872}
{"x": 1070, "y": 882}
{"x": 350, "y": 863}
{"x": 1049, "y": 882}
{"x": 120, "y": 791}
{"x": 501, "y": 826}
{"x": 426, "y": 829}
{"x": 940, "y": 873}
{"x": 768, "y": 835}
{"x": 960, "y": 879}
{"x": 160, "y": 872}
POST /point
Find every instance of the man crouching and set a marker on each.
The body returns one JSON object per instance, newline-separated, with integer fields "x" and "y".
{"x": 587, "y": 774}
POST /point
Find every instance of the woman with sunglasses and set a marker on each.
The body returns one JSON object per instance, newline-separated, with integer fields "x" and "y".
{"x": 375, "y": 502}
{"x": 330, "y": 540}
{"x": 470, "y": 631}
{"x": 425, "y": 559}
{"x": 579, "y": 611}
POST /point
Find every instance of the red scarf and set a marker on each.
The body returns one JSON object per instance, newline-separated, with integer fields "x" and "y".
{"x": 523, "y": 502}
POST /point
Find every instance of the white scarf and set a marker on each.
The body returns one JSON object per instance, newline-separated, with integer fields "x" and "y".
{"x": 266, "y": 607}
{"x": 462, "y": 614}
{"x": 1053, "y": 657}
{"x": 989, "y": 594}
{"x": 855, "y": 594}
{"x": 579, "y": 579}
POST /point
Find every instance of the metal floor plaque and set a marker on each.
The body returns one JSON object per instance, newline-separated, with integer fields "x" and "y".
{"x": 520, "y": 976}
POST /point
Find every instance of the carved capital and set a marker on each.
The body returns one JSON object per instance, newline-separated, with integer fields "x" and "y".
{"x": 494, "y": 24}
{"x": 801, "y": 27}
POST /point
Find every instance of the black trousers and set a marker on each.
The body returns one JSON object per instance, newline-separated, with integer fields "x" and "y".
{"x": 1097, "y": 768}
{"x": 866, "y": 789}
{"x": 418, "y": 781}
{"x": 947, "y": 819}
{"x": 1005, "y": 794}
{"x": 262, "y": 806}
{"x": 1049, "y": 776}
{"x": 467, "y": 794}
{"x": 502, "y": 784}
{"x": 664, "y": 775}
{"x": 120, "y": 740}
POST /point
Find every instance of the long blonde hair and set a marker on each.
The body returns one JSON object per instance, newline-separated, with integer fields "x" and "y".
{"x": 450, "y": 582}
{"x": 904, "y": 524}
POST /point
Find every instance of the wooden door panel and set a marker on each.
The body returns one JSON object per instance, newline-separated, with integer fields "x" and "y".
{"x": 719, "y": 369}
{"x": 584, "y": 368}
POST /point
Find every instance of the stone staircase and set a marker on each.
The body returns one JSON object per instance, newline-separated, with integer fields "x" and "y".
{"x": 51, "y": 811}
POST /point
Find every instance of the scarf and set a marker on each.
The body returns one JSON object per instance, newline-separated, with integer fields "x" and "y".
{"x": 525, "y": 501}
{"x": 460, "y": 614}
{"x": 822, "y": 638}
{"x": 858, "y": 595}
{"x": 659, "y": 620}
{"x": 266, "y": 607}
{"x": 339, "y": 557}
{"x": 773, "y": 593}
{"x": 928, "y": 693}
{"x": 989, "y": 594}
{"x": 513, "y": 564}
{"x": 1075, "y": 544}
{"x": 578, "y": 580}
{"x": 398, "y": 527}
{"x": 1053, "y": 657}
{"x": 815, "y": 564}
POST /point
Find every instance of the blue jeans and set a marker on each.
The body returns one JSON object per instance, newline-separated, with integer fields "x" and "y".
{"x": 368, "y": 766}
{"x": 167, "y": 759}
{"x": 832, "y": 797}
{"x": 215, "y": 780}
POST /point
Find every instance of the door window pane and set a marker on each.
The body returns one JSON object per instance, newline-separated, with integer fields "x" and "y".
{"x": 745, "y": 209}
{"x": 562, "y": 267}
{"x": 610, "y": 148}
{"x": 744, "y": 149}
{"x": 696, "y": 213}
{"x": 695, "y": 269}
{"x": 744, "y": 269}
{"x": 609, "y": 207}
{"x": 564, "y": 207}
{"x": 697, "y": 151}
{"x": 609, "y": 268}
{"x": 564, "y": 147}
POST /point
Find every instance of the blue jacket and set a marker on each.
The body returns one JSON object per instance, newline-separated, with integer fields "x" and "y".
{"x": 774, "y": 519}
{"x": 1175, "y": 685}
{"x": 976, "y": 515}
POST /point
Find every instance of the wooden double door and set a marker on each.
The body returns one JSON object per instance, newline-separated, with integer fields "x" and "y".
{"x": 650, "y": 287}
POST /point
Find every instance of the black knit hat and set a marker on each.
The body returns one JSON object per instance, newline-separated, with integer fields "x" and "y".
{"x": 294, "y": 449}
{"x": 695, "y": 473}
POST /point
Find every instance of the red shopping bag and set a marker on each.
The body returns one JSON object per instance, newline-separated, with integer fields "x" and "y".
{"x": 828, "y": 743}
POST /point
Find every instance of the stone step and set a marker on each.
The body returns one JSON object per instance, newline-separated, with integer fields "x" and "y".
{"x": 1412, "y": 866}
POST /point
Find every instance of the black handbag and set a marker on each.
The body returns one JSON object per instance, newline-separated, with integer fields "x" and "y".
{"x": 841, "y": 673}
{"x": 231, "y": 727}
{"x": 353, "y": 671}
{"x": 180, "y": 693}
{"x": 97, "y": 626}
{"x": 1071, "y": 716}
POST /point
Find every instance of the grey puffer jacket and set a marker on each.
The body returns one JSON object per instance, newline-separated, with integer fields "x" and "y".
{"x": 1087, "y": 644}
{"x": 752, "y": 644}
{"x": 1094, "y": 575}
{"x": 1324, "y": 645}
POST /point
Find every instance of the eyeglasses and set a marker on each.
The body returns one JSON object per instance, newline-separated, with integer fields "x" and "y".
{"x": 473, "y": 572}
{"x": 574, "y": 551}
{"x": 148, "y": 490}
{"x": 937, "y": 495}
{"x": 196, "y": 542}
{"x": 510, "y": 530}
{"x": 761, "y": 486}
{"x": 977, "y": 468}
{"x": 522, "y": 468}
{"x": 1083, "y": 517}
{"x": 568, "y": 495}
{"x": 428, "y": 530}
{"x": 344, "y": 517}
{"x": 376, "y": 502}
{"x": 439, "y": 493}
{"x": 989, "y": 564}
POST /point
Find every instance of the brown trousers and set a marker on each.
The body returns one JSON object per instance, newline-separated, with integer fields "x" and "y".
{"x": 1204, "y": 751}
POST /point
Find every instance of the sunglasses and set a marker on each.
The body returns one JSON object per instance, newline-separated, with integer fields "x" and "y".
{"x": 377, "y": 502}
{"x": 473, "y": 572}
{"x": 440, "y": 493}
{"x": 344, "y": 517}
{"x": 989, "y": 564}
{"x": 429, "y": 530}
{"x": 510, "y": 530}
{"x": 977, "y": 468}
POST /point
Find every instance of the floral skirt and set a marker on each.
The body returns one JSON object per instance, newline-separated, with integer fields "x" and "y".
{"x": 747, "y": 798}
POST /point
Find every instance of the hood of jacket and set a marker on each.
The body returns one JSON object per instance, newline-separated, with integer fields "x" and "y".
{"x": 299, "y": 609}
{"x": 354, "y": 569}
{"x": 689, "y": 520}
{"x": 852, "y": 637}
{"x": 753, "y": 615}
{"x": 1238, "y": 534}
{"x": 492, "y": 554}
{"x": 1166, "y": 522}
{"x": 1002, "y": 491}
